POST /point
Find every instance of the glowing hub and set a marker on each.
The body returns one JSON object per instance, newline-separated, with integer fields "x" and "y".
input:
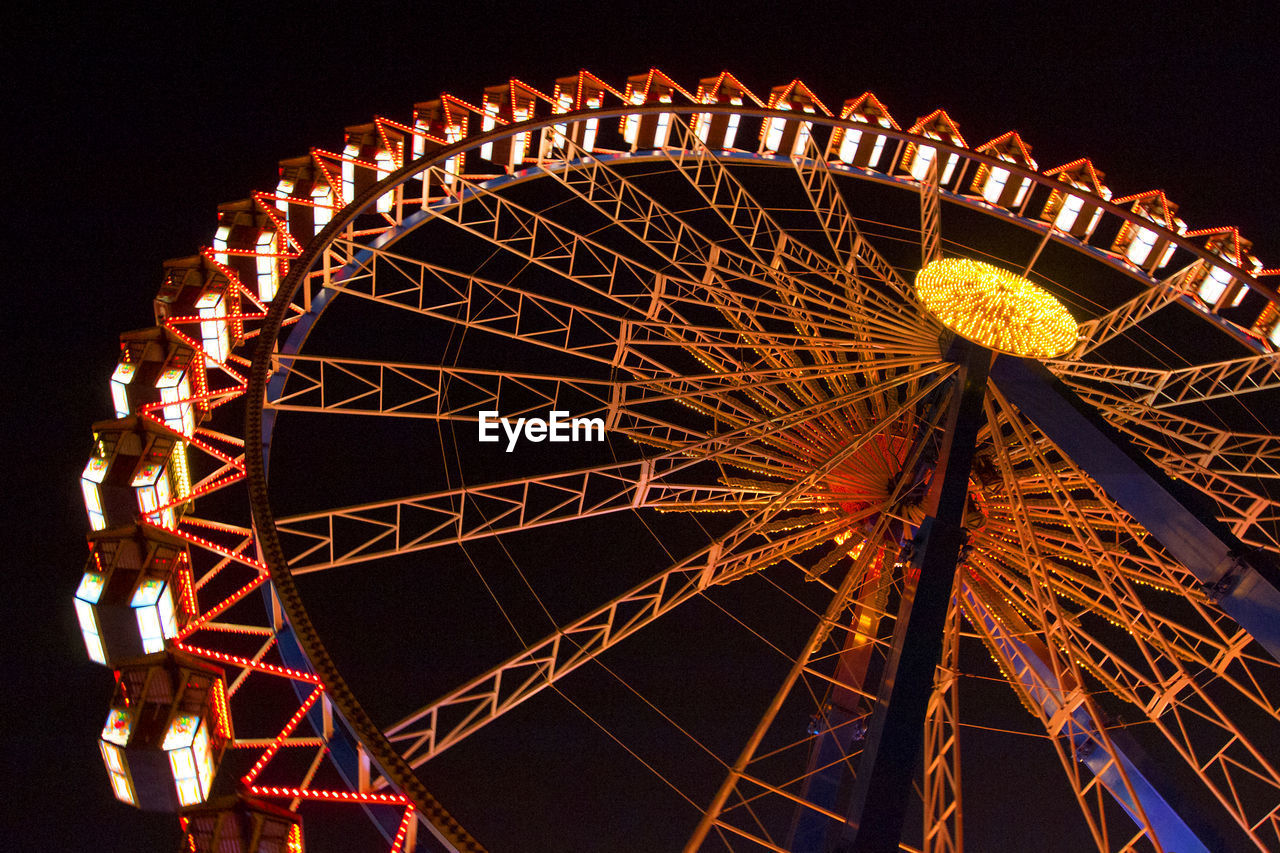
{"x": 996, "y": 308}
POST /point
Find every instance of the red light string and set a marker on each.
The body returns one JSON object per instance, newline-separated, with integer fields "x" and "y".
{"x": 397, "y": 843}
{"x": 221, "y": 607}
{"x": 288, "y": 729}
{"x": 332, "y": 796}
{"x": 249, "y": 663}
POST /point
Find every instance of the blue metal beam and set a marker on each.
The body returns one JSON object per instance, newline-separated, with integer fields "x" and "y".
{"x": 835, "y": 731}
{"x": 1028, "y": 664}
{"x": 882, "y": 787}
{"x": 1244, "y": 582}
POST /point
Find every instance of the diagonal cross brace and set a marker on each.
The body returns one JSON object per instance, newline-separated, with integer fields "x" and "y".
{"x": 883, "y": 784}
{"x": 1244, "y": 583}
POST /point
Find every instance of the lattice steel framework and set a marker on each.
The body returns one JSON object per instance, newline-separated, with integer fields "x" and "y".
{"x": 724, "y": 282}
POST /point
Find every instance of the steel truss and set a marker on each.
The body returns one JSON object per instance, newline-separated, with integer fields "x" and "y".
{"x": 769, "y": 361}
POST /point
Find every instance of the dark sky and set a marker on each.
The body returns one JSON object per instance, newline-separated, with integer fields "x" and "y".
{"x": 127, "y": 129}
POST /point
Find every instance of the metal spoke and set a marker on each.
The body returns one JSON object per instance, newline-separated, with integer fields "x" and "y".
{"x": 852, "y": 250}
{"x": 588, "y": 262}
{"x": 931, "y": 217}
{"x": 823, "y": 658}
{"x": 1129, "y": 315}
{"x": 444, "y": 293}
{"x": 335, "y": 385}
{"x": 771, "y": 245}
{"x": 1179, "y": 704}
{"x": 386, "y": 528}
{"x": 1164, "y": 389}
{"x": 725, "y": 560}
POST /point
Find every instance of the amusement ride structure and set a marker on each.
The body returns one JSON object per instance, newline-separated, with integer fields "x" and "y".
{"x": 917, "y": 426}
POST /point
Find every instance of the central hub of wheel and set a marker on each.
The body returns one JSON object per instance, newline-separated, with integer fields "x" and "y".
{"x": 995, "y": 308}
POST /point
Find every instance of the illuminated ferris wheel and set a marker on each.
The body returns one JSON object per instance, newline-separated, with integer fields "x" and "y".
{"x": 770, "y": 445}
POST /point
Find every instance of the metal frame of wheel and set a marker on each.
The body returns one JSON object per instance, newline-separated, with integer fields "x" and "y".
{"x": 360, "y": 750}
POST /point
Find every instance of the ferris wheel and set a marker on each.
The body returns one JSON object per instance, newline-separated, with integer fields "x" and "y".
{"x": 688, "y": 446}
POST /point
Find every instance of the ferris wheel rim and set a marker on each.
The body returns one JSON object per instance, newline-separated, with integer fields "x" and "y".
{"x": 264, "y": 519}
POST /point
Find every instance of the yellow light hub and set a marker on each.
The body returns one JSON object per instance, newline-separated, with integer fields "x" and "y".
{"x": 996, "y": 308}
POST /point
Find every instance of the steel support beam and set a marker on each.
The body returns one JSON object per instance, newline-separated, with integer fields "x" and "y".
{"x": 1158, "y": 797}
{"x": 840, "y": 725}
{"x": 835, "y": 731}
{"x": 1245, "y": 583}
{"x": 882, "y": 789}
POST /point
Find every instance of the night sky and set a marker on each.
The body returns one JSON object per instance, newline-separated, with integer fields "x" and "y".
{"x": 126, "y": 130}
